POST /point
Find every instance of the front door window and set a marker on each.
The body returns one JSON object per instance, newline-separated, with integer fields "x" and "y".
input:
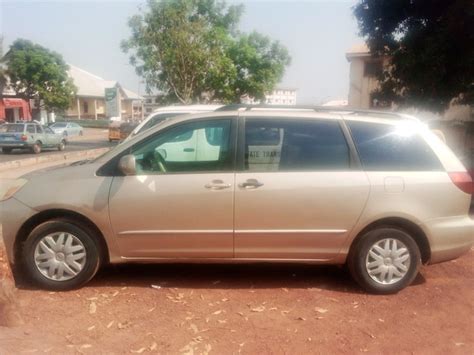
{"x": 192, "y": 147}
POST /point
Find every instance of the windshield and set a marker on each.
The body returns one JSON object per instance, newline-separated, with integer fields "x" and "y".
{"x": 14, "y": 128}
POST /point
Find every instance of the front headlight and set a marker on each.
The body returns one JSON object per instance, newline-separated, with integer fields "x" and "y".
{"x": 9, "y": 187}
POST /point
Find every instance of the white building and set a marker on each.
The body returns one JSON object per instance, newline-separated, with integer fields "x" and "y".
{"x": 151, "y": 103}
{"x": 279, "y": 96}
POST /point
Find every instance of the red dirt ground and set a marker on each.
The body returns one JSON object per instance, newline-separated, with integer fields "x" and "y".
{"x": 250, "y": 309}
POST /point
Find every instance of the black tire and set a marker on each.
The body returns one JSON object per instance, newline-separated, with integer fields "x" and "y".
{"x": 6, "y": 150}
{"x": 36, "y": 148}
{"x": 62, "y": 145}
{"x": 359, "y": 252}
{"x": 90, "y": 244}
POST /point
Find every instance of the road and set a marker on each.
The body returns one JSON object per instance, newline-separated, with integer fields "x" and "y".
{"x": 92, "y": 138}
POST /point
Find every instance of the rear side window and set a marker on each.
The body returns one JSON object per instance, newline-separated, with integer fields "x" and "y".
{"x": 384, "y": 147}
{"x": 30, "y": 128}
{"x": 14, "y": 128}
{"x": 295, "y": 145}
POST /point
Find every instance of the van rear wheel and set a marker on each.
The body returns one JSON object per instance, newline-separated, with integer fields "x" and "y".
{"x": 62, "y": 145}
{"x": 59, "y": 255}
{"x": 384, "y": 260}
{"x": 36, "y": 148}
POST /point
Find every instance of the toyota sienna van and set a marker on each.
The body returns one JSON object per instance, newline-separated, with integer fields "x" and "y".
{"x": 378, "y": 192}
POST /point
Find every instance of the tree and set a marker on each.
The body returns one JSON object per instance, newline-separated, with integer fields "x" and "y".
{"x": 189, "y": 49}
{"x": 3, "y": 79}
{"x": 259, "y": 63}
{"x": 39, "y": 74}
{"x": 430, "y": 46}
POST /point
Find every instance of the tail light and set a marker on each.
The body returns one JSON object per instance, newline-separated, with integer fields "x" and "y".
{"x": 24, "y": 137}
{"x": 463, "y": 181}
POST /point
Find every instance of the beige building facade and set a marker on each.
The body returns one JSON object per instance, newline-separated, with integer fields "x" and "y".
{"x": 363, "y": 76}
{"x": 89, "y": 102}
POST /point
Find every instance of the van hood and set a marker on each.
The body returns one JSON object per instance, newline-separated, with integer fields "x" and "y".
{"x": 77, "y": 169}
{"x": 62, "y": 168}
{"x": 71, "y": 187}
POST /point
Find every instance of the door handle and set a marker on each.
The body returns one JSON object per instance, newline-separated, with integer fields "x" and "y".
{"x": 250, "y": 184}
{"x": 217, "y": 185}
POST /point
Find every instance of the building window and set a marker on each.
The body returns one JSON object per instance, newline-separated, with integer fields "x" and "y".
{"x": 85, "y": 107}
{"x": 149, "y": 101}
{"x": 373, "y": 68}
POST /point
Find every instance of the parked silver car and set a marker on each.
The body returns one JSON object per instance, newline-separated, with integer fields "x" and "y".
{"x": 31, "y": 136}
{"x": 67, "y": 129}
{"x": 375, "y": 191}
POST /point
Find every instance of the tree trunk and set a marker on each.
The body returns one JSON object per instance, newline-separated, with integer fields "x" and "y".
{"x": 9, "y": 314}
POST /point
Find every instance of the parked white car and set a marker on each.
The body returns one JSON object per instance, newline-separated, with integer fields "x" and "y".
{"x": 67, "y": 129}
{"x": 164, "y": 113}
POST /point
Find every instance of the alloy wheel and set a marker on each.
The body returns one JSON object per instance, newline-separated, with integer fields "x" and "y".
{"x": 388, "y": 261}
{"x": 60, "y": 256}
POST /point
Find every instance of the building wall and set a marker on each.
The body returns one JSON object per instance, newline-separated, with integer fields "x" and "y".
{"x": 127, "y": 109}
{"x": 151, "y": 103}
{"x": 360, "y": 84}
{"x": 89, "y": 102}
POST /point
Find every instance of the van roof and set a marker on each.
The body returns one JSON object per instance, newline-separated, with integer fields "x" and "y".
{"x": 319, "y": 109}
{"x": 188, "y": 108}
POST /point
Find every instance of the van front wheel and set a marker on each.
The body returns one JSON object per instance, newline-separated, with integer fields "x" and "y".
{"x": 59, "y": 255}
{"x": 384, "y": 260}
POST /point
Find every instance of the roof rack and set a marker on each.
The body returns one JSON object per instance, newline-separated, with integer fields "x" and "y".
{"x": 328, "y": 109}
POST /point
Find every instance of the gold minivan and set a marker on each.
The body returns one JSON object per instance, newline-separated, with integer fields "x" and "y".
{"x": 376, "y": 191}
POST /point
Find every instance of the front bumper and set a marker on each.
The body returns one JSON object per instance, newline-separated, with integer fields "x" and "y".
{"x": 13, "y": 215}
{"x": 449, "y": 237}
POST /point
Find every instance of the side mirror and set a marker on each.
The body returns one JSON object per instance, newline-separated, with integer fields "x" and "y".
{"x": 127, "y": 165}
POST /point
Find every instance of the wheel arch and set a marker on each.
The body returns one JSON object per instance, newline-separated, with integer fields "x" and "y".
{"x": 408, "y": 226}
{"x": 78, "y": 219}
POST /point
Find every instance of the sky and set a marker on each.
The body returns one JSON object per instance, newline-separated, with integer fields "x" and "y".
{"x": 88, "y": 35}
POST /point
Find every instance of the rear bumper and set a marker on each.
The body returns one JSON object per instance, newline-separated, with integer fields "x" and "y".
{"x": 14, "y": 145}
{"x": 449, "y": 237}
